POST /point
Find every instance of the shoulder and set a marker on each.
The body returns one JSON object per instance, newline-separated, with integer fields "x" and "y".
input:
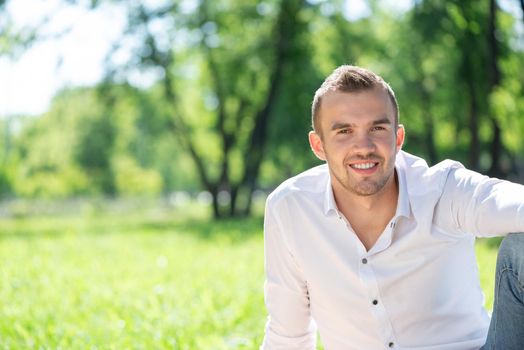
{"x": 422, "y": 178}
{"x": 418, "y": 165}
{"x": 310, "y": 182}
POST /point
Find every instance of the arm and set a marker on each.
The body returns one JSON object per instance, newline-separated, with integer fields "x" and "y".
{"x": 481, "y": 205}
{"x": 289, "y": 324}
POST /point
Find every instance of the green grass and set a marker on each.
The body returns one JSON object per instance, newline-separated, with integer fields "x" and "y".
{"x": 486, "y": 250}
{"x": 147, "y": 280}
{"x": 131, "y": 282}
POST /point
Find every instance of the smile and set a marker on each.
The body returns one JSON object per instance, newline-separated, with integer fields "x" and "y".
{"x": 363, "y": 166}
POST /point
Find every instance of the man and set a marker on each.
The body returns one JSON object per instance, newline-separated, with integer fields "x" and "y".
{"x": 375, "y": 249}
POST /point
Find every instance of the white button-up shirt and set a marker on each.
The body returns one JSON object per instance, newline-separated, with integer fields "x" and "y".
{"x": 416, "y": 288}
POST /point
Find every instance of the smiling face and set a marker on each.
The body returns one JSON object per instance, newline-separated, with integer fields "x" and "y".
{"x": 359, "y": 139}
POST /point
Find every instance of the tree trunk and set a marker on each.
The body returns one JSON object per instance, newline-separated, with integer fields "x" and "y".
{"x": 494, "y": 79}
{"x": 216, "y": 206}
{"x": 285, "y": 31}
{"x": 430, "y": 139}
{"x": 425, "y": 96}
{"x": 233, "y": 203}
{"x": 429, "y": 123}
{"x": 496, "y": 150}
{"x": 473, "y": 119}
{"x": 468, "y": 67}
{"x": 522, "y": 7}
{"x": 474, "y": 147}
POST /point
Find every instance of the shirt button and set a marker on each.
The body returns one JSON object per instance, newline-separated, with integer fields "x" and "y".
{"x": 364, "y": 261}
{"x": 375, "y": 302}
{"x": 391, "y": 344}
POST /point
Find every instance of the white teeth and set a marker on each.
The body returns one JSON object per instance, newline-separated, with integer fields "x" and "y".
{"x": 363, "y": 165}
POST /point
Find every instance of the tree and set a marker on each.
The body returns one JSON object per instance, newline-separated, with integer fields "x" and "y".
{"x": 6, "y": 147}
{"x": 466, "y": 25}
{"x": 216, "y": 95}
{"x": 221, "y": 114}
{"x": 522, "y": 7}
{"x": 81, "y": 146}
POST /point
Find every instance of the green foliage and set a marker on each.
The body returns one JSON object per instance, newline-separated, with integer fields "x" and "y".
{"x": 5, "y": 145}
{"x": 13, "y": 40}
{"x": 45, "y": 149}
{"x": 93, "y": 150}
{"x": 81, "y": 146}
{"x": 131, "y": 179}
{"x": 230, "y": 108}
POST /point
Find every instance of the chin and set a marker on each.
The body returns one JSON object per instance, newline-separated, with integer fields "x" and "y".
{"x": 366, "y": 192}
{"x": 367, "y": 188}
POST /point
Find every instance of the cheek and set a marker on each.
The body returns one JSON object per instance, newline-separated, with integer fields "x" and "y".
{"x": 385, "y": 143}
{"x": 335, "y": 153}
{"x": 388, "y": 149}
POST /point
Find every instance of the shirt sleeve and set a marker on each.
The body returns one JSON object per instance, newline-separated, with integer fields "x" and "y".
{"x": 289, "y": 324}
{"x": 477, "y": 204}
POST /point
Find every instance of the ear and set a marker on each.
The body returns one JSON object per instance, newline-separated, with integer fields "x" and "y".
{"x": 316, "y": 145}
{"x": 400, "y": 136}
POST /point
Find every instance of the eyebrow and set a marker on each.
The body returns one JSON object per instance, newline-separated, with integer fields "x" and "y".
{"x": 340, "y": 125}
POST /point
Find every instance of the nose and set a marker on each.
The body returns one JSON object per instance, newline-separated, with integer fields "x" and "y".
{"x": 364, "y": 144}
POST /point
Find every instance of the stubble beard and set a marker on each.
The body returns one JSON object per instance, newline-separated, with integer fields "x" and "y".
{"x": 367, "y": 186}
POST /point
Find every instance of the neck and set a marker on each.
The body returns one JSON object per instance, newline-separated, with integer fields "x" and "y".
{"x": 369, "y": 215}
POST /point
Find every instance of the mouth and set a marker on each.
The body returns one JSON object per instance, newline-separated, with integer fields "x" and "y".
{"x": 364, "y": 166}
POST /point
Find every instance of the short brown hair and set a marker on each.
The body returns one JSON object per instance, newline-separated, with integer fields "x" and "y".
{"x": 348, "y": 78}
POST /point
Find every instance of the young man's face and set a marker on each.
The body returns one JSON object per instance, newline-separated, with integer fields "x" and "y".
{"x": 359, "y": 140}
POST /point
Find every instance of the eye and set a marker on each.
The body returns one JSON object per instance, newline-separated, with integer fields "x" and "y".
{"x": 378, "y": 128}
{"x": 343, "y": 131}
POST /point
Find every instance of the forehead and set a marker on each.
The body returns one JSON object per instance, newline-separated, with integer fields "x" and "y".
{"x": 362, "y": 105}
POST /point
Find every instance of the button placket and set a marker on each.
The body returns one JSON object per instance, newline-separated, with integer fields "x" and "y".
{"x": 377, "y": 307}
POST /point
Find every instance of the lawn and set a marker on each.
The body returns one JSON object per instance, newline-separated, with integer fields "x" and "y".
{"x": 148, "y": 279}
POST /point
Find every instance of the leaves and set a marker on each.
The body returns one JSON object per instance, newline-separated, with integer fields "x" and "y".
{"x": 230, "y": 84}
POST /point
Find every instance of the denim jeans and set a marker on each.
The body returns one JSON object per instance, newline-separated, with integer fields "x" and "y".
{"x": 506, "y": 330}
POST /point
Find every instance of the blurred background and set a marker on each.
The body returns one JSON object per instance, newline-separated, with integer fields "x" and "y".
{"x": 174, "y": 98}
{"x": 139, "y": 139}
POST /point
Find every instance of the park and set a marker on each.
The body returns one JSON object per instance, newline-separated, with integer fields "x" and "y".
{"x": 132, "y": 207}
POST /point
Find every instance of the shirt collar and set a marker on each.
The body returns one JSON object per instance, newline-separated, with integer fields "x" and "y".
{"x": 403, "y": 204}
{"x": 329, "y": 198}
